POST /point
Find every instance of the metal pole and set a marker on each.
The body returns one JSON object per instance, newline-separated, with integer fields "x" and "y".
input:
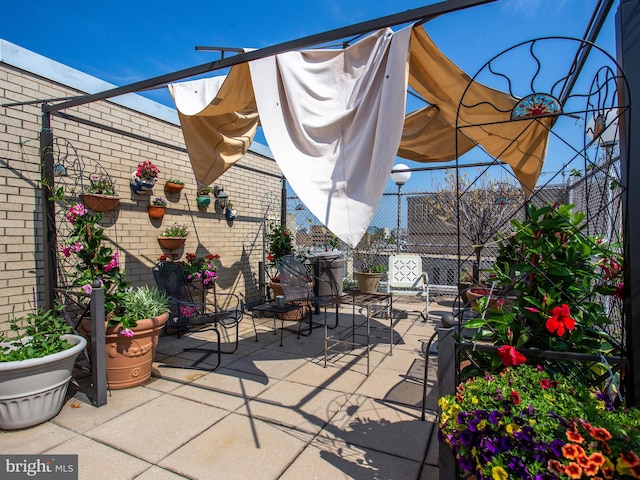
{"x": 398, "y": 228}
{"x": 48, "y": 210}
{"x": 98, "y": 346}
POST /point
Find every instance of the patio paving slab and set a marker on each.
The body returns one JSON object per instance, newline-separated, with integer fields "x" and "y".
{"x": 297, "y": 406}
{"x": 326, "y": 459}
{"x": 238, "y": 447}
{"x": 99, "y": 461}
{"x": 368, "y": 423}
{"x": 143, "y": 432}
{"x": 224, "y": 388}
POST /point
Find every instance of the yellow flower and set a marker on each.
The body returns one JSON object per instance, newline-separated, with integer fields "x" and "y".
{"x": 475, "y": 400}
{"x": 512, "y": 428}
{"x": 482, "y": 424}
{"x": 499, "y": 473}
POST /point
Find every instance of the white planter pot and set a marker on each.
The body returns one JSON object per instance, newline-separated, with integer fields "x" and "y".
{"x": 33, "y": 391}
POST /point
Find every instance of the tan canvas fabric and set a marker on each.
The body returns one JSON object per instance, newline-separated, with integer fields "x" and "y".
{"x": 429, "y": 134}
{"x": 220, "y": 126}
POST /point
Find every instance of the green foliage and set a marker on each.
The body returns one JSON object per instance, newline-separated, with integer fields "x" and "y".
{"x": 37, "y": 335}
{"x": 556, "y": 278}
{"x": 280, "y": 241}
{"x": 371, "y": 253}
{"x": 177, "y": 181}
{"x": 101, "y": 185}
{"x": 524, "y": 423}
{"x": 176, "y": 230}
{"x": 142, "y": 302}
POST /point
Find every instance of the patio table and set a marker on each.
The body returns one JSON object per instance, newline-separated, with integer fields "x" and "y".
{"x": 373, "y": 303}
{"x": 274, "y": 308}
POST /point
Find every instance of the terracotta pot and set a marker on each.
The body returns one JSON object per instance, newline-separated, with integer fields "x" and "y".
{"x": 171, "y": 187}
{"x": 129, "y": 359}
{"x": 368, "y": 282}
{"x": 298, "y": 314}
{"x": 171, "y": 243}
{"x": 99, "y": 203}
{"x": 156, "y": 211}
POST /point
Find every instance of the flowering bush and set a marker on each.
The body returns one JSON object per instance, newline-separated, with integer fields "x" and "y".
{"x": 176, "y": 230}
{"x": 556, "y": 278}
{"x": 147, "y": 170}
{"x": 280, "y": 242}
{"x": 96, "y": 261}
{"x": 524, "y": 423}
{"x": 100, "y": 185}
{"x": 201, "y": 268}
{"x": 159, "y": 202}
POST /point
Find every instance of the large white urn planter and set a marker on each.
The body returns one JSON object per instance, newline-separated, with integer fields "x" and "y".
{"x": 32, "y": 391}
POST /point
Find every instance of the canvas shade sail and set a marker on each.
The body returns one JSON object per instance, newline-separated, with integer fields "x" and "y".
{"x": 333, "y": 120}
{"x": 483, "y": 119}
{"x": 219, "y": 118}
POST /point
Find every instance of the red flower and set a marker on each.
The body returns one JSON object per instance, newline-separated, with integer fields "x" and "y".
{"x": 601, "y": 434}
{"x": 510, "y": 356}
{"x": 597, "y": 459}
{"x": 515, "y": 397}
{"x": 631, "y": 459}
{"x": 545, "y": 383}
{"x": 560, "y": 320}
{"x": 270, "y": 257}
{"x": 573, "y": 470}
{"x": 574, "y": 436}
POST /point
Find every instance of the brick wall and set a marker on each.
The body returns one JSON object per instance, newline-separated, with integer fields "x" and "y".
{"x": 134, "y": 234}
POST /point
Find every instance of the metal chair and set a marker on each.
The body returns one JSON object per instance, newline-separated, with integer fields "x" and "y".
{"x": 187, "y": 314}
{"x": 297, "y": 286}
{"x": 407, "y": 278}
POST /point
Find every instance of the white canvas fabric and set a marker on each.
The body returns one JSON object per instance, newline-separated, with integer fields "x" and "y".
{"x": 333, "y": 121}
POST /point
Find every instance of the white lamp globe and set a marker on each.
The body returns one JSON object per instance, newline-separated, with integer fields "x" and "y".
{"x": 400, "y": 174}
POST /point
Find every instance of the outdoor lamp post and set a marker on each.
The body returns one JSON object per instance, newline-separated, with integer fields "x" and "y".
{"x": 400, "y": 175}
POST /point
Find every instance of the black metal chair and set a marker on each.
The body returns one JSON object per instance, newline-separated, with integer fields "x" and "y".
{"x": 186, "y": 314}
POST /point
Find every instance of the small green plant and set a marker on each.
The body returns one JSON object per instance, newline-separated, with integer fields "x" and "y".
{"x": 177, "y": 181}
{"x": 37, "y": 335}
{"x": 159, "y": 202}
{"x": 204, "y": 191}
{"x": 138, "y": 303}
{"x": 372, "y": 252}
{"x": 378, "y": 268}
{"x": 101, "y": 185}
{"x": 176, "y": 230}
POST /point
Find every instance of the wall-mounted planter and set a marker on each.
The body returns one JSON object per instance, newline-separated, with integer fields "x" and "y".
{"x": 141, "y": 186}
{"x": 171, "y": 243}
{"x": 99, "y": 203}
{"x": 171, "y": 187}
{"x": 156, "y": 211}
{"x": 230, "y": 213}
{"x": 203, "y": 201}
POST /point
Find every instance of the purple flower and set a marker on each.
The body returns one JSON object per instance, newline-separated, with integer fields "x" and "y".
{"x": 126, "y": 332}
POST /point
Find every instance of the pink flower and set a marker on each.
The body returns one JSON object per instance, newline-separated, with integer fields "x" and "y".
{"x": 126, "y": 332}
{"x": 66, "y": 250}
{"x": 532, "y": 309}
{"x": 76, "y": 247}
{"x": 112, "y": 264}
{"x": 87, "y": 289}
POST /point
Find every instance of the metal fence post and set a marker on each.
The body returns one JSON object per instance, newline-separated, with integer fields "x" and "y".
{"x": 98, "y": 347}
{"x": 448, "y": 467}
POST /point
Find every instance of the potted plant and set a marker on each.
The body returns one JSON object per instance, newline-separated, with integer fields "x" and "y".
{"x": 203, "y": 197}
{"x": 280, "y": 241}
{"x": 134, "y": 315}
{"x": 173, "y": 185}
{"x": 144, "y": 178}
{"x": 370, "y": 258}
{"x": 132, "y": 335}
{"x": 201, "y": 269}
{"x": 174, "y": 236}
{"x": 36, "y": 365}
{"x": 157, "y": 207}
{"x": 230, "y": 212}
{"x": 526, "y": 423}
{"x": 556, "y": 279}
{"x": 100, "y": 194}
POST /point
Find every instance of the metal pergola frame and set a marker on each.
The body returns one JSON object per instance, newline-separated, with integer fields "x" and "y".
{"x": 627, "y": 29}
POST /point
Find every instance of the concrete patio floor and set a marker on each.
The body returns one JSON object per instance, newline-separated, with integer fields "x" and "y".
{"x": 268, "y": 412}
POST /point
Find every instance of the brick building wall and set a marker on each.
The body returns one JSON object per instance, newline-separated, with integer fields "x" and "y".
{"x": 133, "y": 233}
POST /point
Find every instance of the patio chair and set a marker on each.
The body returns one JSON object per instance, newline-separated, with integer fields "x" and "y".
{"x": 407, "y": 278}
{"x": 297, "y": 286}
{"x": 186, "y": 314}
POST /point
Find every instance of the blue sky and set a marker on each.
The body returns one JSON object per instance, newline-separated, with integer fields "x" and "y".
{"x": 124, "y": 42}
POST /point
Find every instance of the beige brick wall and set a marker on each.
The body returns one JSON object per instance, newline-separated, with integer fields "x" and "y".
{"x": 134, "y": 234}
